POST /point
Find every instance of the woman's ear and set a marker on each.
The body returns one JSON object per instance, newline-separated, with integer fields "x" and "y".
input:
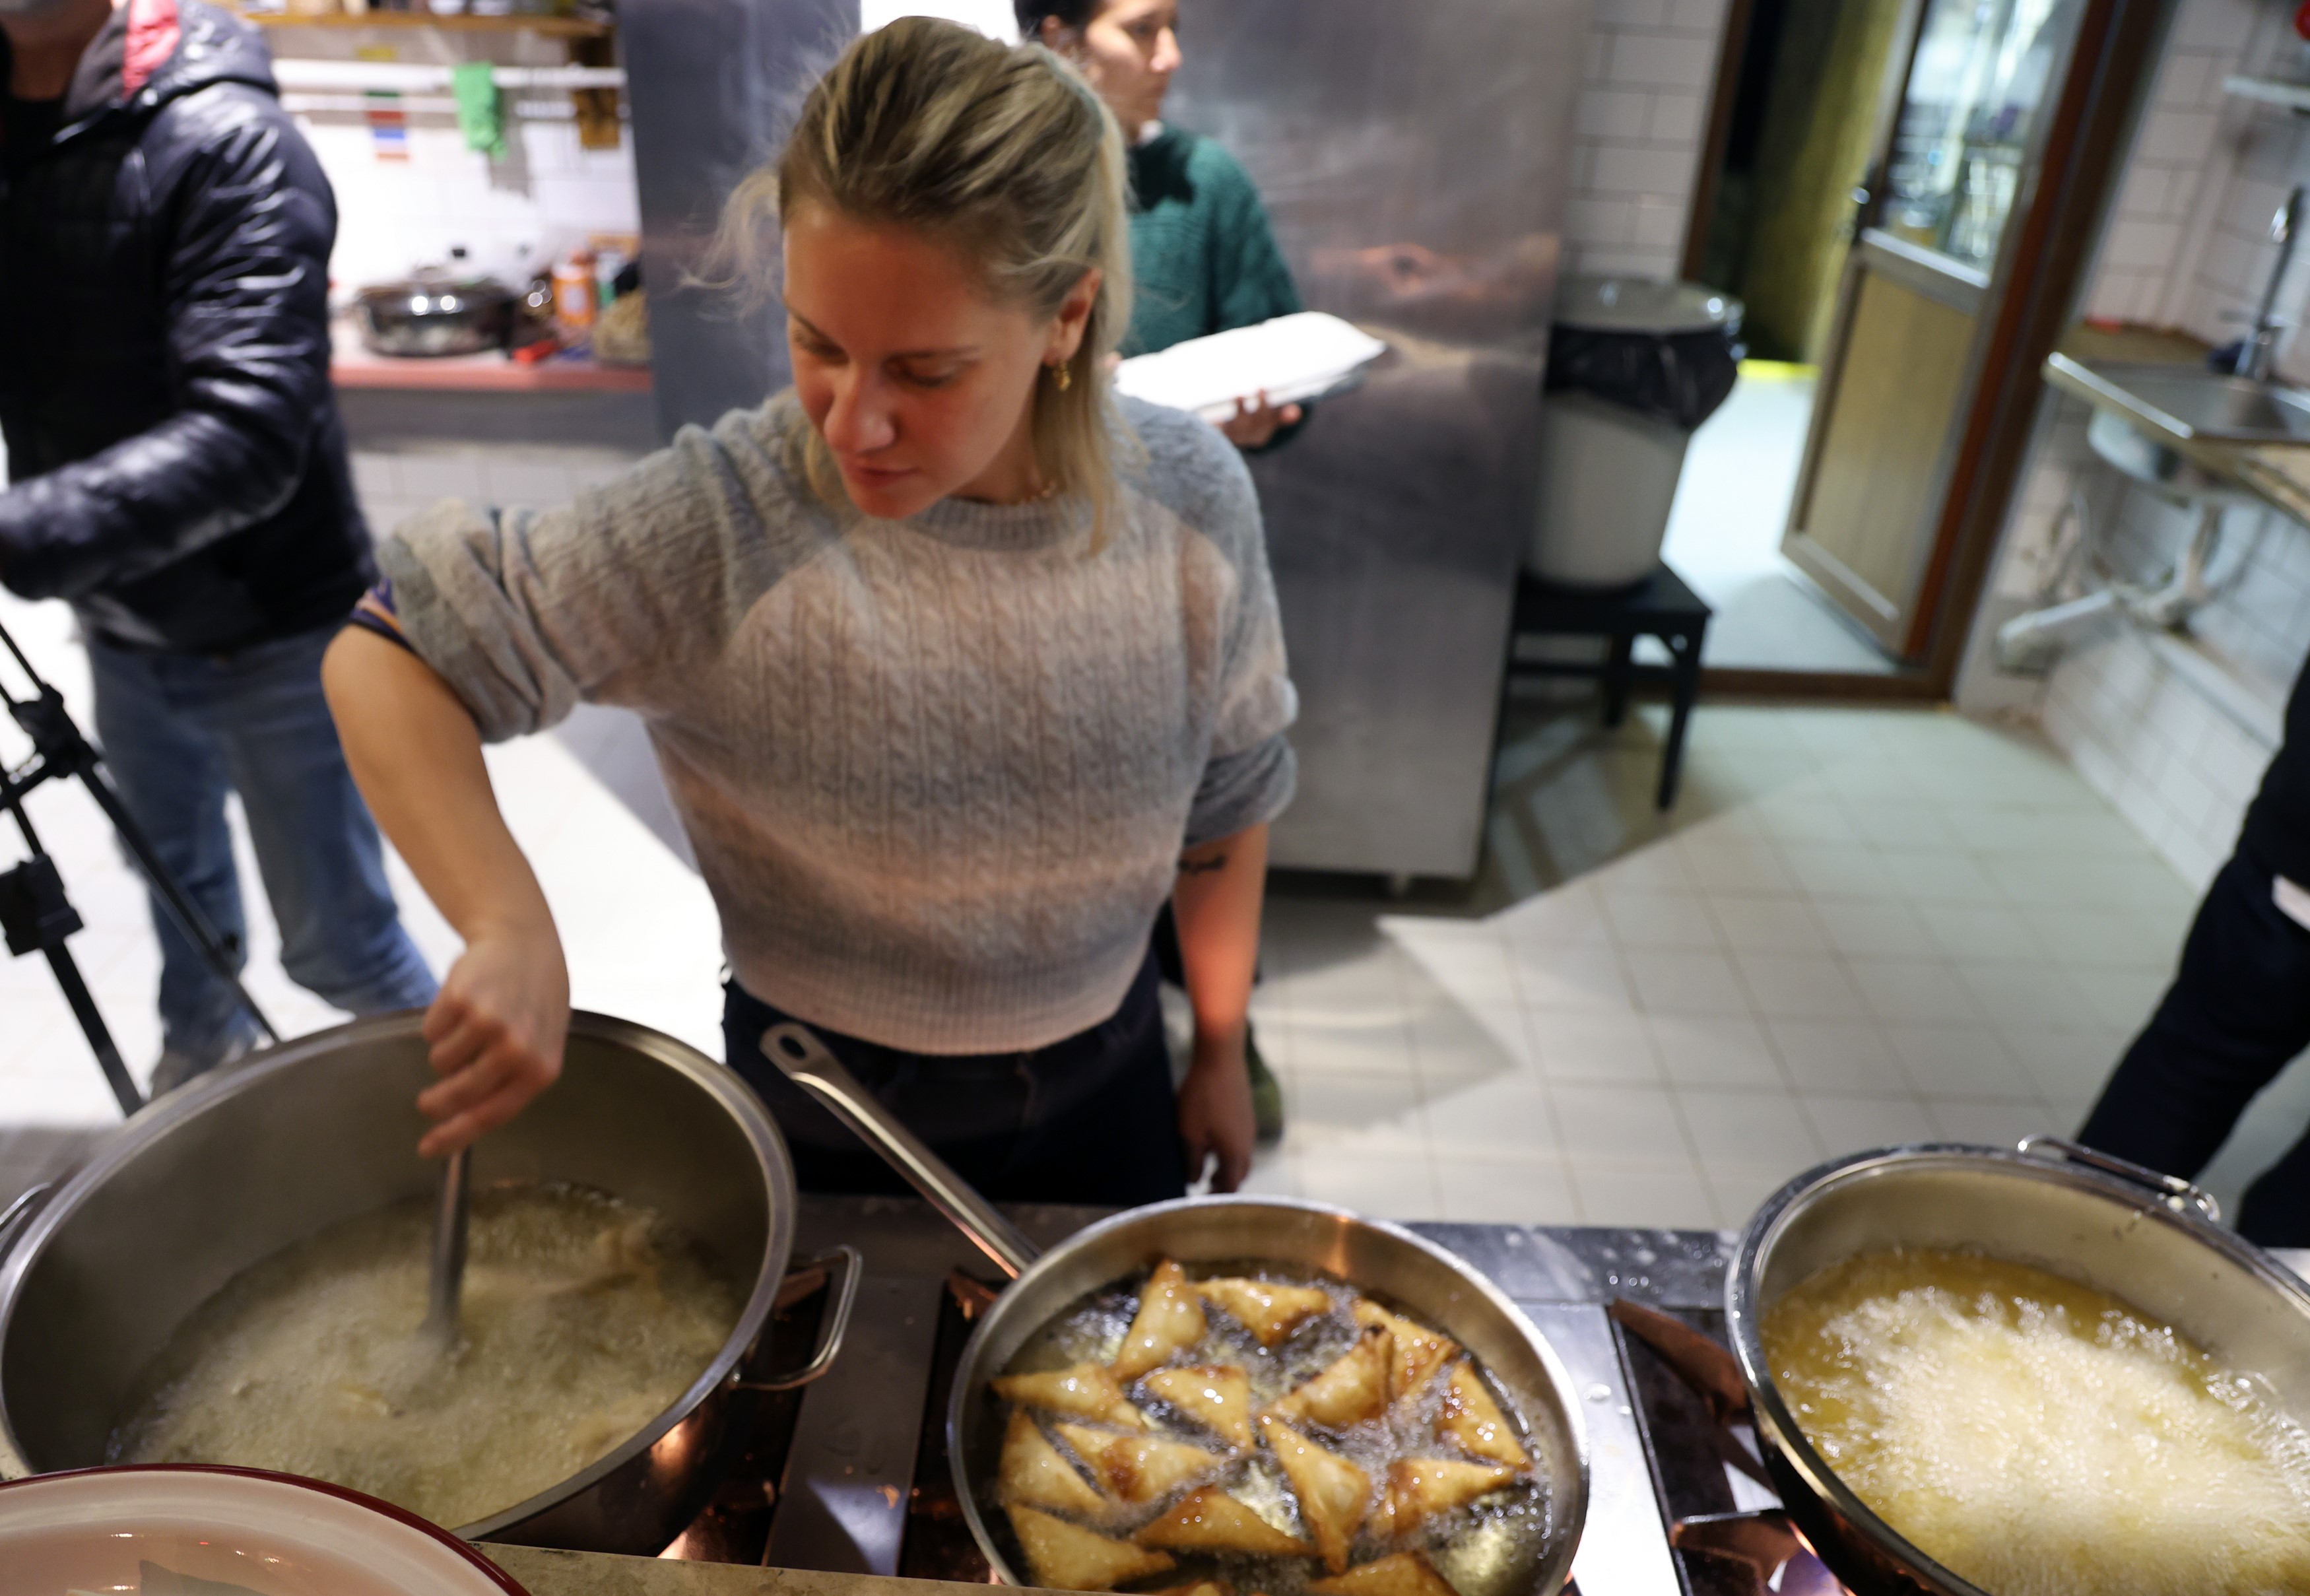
{"x": 1073, "y": 319}
{"x": 1056, "y": 37}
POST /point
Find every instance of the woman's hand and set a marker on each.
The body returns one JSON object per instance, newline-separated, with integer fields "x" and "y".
{"x": 497, "y": 1031}
{"x": 1255, "y": 421}
{"x": 498, "y": 1026}
{"x": 1215, "y": 1117}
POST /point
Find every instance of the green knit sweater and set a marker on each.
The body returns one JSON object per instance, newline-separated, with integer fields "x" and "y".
{"x": 1201, "y": 249}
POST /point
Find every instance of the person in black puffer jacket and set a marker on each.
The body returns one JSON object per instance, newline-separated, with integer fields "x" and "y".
{"x": 178, "y": 474}
{"x": 2238, "y": 1010}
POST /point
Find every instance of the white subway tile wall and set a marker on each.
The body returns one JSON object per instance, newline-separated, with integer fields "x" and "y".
{"x": 1642, "y": 112}
{"x": 2188, "y": 247}
{"x": 2177, "y": 767}
{"x": 513, "y": 216}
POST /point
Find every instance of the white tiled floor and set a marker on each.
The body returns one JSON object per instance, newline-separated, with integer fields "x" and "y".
{"x": 1861, "y": 927}
{"x": 1725, "y": 534}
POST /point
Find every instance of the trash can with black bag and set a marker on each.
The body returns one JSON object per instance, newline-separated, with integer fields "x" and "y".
{"x": 1634, "y": 365}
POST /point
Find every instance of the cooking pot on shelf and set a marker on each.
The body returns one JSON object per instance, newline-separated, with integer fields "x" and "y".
{"x": 1422, "y": 1278}
{"x": 210, "y": 1179}
{"x": 436, "y": 312}
{"x": 2146, "y": 1238}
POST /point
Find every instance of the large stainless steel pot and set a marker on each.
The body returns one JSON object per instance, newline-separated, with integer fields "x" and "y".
{"x": 210, "y": 1179}
{"x": 436, "y": 312}
{"x": 1425, "y": 1280}
{"x": 2141, "y": 1236}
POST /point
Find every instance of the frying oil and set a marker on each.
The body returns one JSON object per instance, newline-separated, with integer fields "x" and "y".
{"x": 583, "y": 1318}
{"x": 1491, "y": 1548}
{"x": 2039, "y": 1437}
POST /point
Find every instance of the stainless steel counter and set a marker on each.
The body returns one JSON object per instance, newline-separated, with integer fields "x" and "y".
{"x": 588, "y": 1573}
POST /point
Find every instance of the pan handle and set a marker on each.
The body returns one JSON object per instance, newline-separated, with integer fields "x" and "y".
{"x": 18, "y": 1213}
{"x": 838, "y": 1323}
{"x": 796, "y": 1049}
{"x": 2173, "y": 1191}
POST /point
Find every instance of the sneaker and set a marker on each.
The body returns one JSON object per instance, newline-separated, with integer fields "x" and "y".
{"x": 1267, "y": 1093}
{"x": 179, "y": 1065}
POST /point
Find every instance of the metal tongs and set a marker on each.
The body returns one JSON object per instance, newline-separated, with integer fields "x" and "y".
{"x": 448, "y": 1275}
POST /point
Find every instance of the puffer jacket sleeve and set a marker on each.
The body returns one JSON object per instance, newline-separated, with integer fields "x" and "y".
{"x": 249, "y": 221}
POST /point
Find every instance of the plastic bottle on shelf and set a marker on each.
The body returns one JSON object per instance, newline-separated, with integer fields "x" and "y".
{"x": 608, "y": 262}
{"x": 575, "y": 302}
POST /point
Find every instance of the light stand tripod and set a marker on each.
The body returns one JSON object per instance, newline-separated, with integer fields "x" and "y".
{"x": 34, "y": 912}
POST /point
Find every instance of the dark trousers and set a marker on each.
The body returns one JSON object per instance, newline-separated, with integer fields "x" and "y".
{"x": 1090, "y": 1119}
{"x": 2237, "y": 1013}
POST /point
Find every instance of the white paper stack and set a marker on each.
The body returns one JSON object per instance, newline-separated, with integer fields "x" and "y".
{"x": 1290, "y": 358}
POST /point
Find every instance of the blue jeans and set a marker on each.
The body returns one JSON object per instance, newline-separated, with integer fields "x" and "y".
{"x": 179, "y": 732}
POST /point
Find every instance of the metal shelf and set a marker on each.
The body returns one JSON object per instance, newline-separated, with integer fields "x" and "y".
{"x": 398, "y": 77}
{"x": 550, "y": 27}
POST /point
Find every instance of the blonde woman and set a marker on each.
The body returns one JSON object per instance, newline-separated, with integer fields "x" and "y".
{"x": 955, "y": 666}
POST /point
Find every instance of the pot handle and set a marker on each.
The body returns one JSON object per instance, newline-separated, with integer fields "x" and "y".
{"x": 17, "y": 1214}
{"x": 796, "y": 1049}
{"x": 830, "y": 1336}
{"x": 2173, "y": 1192}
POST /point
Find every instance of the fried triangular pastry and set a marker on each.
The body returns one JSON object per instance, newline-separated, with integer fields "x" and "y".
{"x": 1473, "y": 1421}
{"x": 1217, "y": 1396}
{"x": 1421, "y": 1487}
{"x": 1353, "y": 1389}
{"x": 1090, "y": 1445}
{"x": 1268, "y": 1311}
{"x": 1420, "y": 1351}
{"x": 1333, "y": 1494}
{"x": 1087, "y": 1391}
{"x": 1148, "y": 1468}
{"x": 1140, "y": 1468}
{"x": 1034, "y": 1474}
{"x": 1405, "y": 1573}
{"x": 1212, "y": 1521}
{"x": 1064, "y": 1556}
{"x": 1169, "y": 1322}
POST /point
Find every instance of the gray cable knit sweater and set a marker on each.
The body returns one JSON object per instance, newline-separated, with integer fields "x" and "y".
{"x": 937, "y": 772}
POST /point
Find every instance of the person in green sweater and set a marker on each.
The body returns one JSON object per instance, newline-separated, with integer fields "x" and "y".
{"x": 1202, "y": 256}
{"x": 1202, "y": 260}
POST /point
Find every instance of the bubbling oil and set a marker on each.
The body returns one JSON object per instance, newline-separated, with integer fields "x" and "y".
{"x": 1491, "y": 1548}
{"x": 2040, "y": 1437}
{"x": 583, "y": 1318}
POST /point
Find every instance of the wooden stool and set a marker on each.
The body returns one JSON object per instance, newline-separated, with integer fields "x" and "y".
{"x": 1661, "y": 606}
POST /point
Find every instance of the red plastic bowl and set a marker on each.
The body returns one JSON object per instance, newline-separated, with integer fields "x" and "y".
{"x": 94, "y": 1530}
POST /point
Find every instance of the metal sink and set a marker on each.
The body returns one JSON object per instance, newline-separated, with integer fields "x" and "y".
{"x": 2190, "y": 405}
{"x": 2145, "y": 416}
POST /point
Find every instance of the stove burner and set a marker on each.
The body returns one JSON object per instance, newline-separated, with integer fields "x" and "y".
{"x": 938, "y": 1543}
{"x": 851, "y": 1474}
{"x": 1731, "y": 1535}
{"x": 734, "y": 1525}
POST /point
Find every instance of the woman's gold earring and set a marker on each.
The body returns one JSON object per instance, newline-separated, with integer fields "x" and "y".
{"x": 1063, "y": 376}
